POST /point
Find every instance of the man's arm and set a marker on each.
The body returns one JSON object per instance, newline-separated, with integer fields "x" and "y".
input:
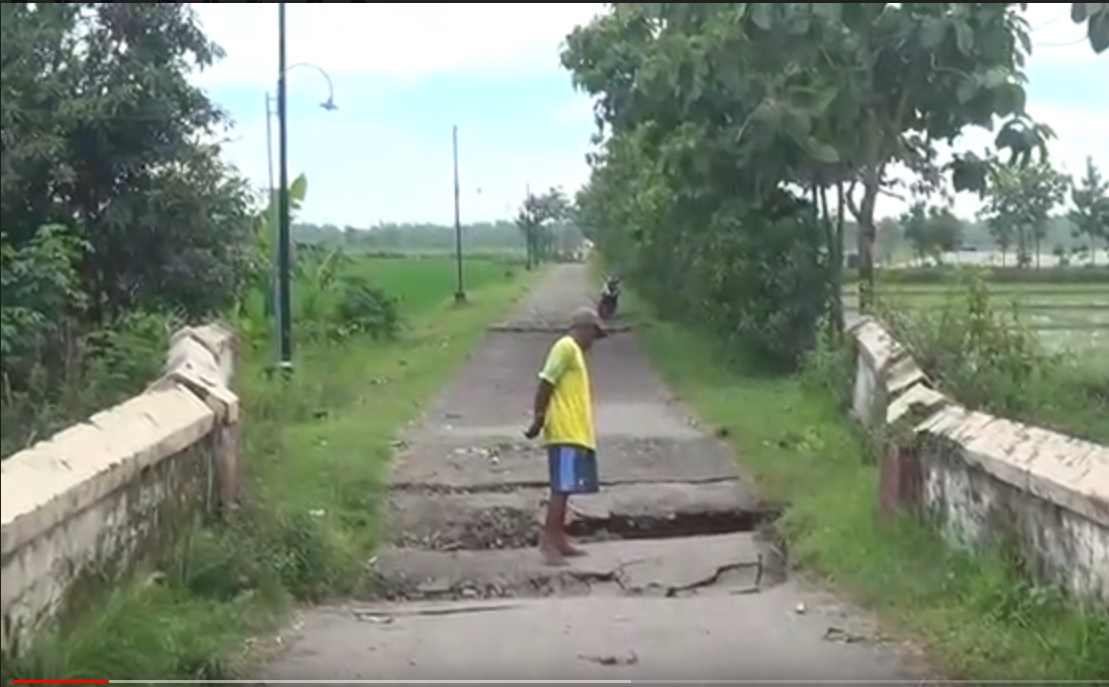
{"x": 557, "y": 362}
{"x": 539, "y": 409}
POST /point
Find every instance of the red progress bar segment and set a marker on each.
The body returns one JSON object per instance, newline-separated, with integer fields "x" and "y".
{"x": 59, "y": 682}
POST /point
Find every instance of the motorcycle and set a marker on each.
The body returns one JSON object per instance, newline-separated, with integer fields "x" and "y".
{"x": 610, "y": 298}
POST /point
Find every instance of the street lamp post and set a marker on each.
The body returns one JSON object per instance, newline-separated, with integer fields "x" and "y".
{"x": 330, "y": 106}
{"x": 459, "y": 293}
{"x": 284, "y": 249}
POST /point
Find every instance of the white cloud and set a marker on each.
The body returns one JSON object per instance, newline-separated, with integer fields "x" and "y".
{"x": 396, "y": 39}
{"x": 414, "y": 40}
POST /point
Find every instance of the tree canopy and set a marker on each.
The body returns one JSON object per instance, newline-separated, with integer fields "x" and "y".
{"x": 104, "y": 135}
{"x": 113, "y": 198}
{"x": 1090, "y": 216}
{"x": 734, "y": 138}
{"x": 932, "y": 231}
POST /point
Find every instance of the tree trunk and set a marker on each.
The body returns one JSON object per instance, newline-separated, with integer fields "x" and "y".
{"x": 834, "y": 238}
{"x": 867, "y": 236}
{"x": 837, "y": 275}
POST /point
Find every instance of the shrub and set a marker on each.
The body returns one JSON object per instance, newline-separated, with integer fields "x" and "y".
{"x": 364, "y": 308}
{"x": 763, "y": 281}
{"x": 56, "y": 366}
{"x": 988, "y": 360}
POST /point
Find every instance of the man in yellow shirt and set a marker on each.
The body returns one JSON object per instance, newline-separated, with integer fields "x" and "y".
{"x": 564, "y": 414}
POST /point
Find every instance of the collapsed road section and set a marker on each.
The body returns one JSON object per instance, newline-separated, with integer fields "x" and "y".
{"x": 467, "y": 493}
{"x": 678, "y": 580}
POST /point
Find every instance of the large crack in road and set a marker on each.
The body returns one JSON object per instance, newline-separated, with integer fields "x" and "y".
{"x": 467, "y": 493}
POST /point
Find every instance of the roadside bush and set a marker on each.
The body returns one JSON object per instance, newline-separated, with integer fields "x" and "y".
{"x": 266, "y": 549}
{"x": 830, "y": 368}
{"x": 762, "y": 281}
{"x": 56, "y": 368}
{"x": 363, "y": 308}
{"x": 41, "y": 294}
{"x": 86, "y": 373}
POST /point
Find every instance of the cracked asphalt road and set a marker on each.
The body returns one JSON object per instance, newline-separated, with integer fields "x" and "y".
{"x": 677, "y": 584}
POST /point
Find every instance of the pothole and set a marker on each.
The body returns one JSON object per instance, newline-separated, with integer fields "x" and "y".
{"x": 510, "y": 520}
{"x": 494, "y": 527}
{"x": 670, "y": 525}
{"x": 511, "y": 527}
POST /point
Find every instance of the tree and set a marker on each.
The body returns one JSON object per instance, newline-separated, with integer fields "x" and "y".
{"x": 536, "y": 221}
{"x": 890, "y": 238}
{"x": 945, "y": 232}
{"x": 1090, "y": 215}
{"x": 915, "y": 225}
{"x": 118, "y": 214}
{"x": 711, "y": 116}
{"x": 1019, "y": 203}
{"x": 103, "y": 135}
{"x": 932, "y": 231}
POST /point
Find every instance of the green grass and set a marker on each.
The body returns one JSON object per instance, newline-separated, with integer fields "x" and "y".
{"x": 420, "y": 282}
{"x": 973, "y": 615}
{"x": 993, "y": 275}
{"x": 315, "y": 448}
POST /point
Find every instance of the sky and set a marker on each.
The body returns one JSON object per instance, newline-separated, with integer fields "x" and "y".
{"x": 402, "y": 75}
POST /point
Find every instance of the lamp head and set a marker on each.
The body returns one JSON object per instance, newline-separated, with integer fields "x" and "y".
{"x": 329, "y": 105}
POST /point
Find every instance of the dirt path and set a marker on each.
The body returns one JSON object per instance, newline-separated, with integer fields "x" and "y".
{"x": 678, "y": 584}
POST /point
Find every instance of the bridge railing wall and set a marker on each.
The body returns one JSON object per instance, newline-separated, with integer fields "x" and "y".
{"x": 99, "y": 498}
{"x": 984, "y": 481}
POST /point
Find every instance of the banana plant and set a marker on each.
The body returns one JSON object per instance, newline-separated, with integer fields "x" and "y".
{"x": 263, "y": 251}
{"x": 267, "y": 221}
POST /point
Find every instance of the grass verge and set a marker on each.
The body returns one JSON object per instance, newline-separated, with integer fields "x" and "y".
{"x": 315, "y": 447}
{"x": 975, "y": 616}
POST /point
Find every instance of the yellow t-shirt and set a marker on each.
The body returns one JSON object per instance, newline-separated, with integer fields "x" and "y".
{"x": 570, "y": 413}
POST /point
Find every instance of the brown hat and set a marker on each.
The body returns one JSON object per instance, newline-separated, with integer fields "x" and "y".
{"x": 587, "y": 316}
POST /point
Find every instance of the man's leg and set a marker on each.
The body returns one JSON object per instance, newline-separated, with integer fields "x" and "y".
{"x": 549, "y": 544}
{"x": 571, "y": 470}
{"x": 554, "y": 541}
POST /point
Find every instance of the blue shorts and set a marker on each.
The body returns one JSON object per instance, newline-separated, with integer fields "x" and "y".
{"x": 573, "y": 469}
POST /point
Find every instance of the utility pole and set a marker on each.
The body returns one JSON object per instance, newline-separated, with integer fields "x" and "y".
{"x": 284, "y": 306}
{"x": 271, "y": 210}
{"x": 529, "y": 230}
{"x": 459, "y": 293}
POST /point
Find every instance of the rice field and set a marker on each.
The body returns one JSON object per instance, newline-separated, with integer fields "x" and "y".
{"x": 1067, "y": 316}
{"x": 423, "y": 282}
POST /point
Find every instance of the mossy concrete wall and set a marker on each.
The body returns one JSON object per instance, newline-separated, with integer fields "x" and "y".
{"x": 987, "y": 481}
{"x": 108, "y": 493}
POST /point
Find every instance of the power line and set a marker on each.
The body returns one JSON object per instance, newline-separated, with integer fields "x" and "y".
{"x": 1049, "y": 22}
{"x": 1082, "y": 39}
